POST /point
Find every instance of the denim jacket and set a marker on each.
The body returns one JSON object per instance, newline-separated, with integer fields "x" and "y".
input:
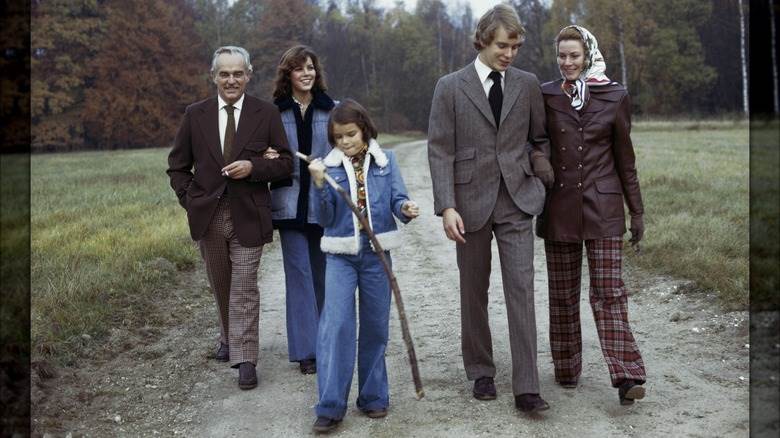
{"x": 385, "y": 195}
{"x": 284, "y": 198}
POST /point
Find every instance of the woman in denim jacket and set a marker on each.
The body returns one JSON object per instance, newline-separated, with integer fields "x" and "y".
{"x": 300, "y": 96}
{"x": 374, "y": 182}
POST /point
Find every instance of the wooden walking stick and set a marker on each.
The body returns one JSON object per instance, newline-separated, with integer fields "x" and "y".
{"x": 393, "y": 282}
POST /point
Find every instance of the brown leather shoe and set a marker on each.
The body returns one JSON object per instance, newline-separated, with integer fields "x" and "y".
{"x": 377, "y": 413}
{"x": 325, "y": 424}
{"x": 308, "y": 366}
{"x": 530, "y": 403}
{"x": 484, "y": 389}
{"x": 569, "y": 384}
{"x": 223, "y": 353}
{"x": 629, "y": 391}
{"x": 247, "y": 376}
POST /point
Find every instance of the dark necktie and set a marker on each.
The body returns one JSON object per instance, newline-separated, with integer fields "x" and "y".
{"x": 230, "y": 133}
{"x": 496, "y": 96}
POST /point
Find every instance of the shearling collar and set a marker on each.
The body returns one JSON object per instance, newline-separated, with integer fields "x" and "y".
{"x": 335, "y": 157}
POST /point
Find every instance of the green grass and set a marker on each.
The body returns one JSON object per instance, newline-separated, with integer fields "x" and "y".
{"x": 695, "y": 190}
{"x": 107, "y": 237}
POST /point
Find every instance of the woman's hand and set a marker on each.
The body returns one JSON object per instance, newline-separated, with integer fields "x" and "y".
{"x": 410, "y": 209}
{"x": 271, "y": 154}
{"x": 317, "y": 171}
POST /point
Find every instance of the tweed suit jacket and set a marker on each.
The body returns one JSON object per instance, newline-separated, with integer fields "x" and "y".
{"x": 468, "y": 156}
{"x": 195, "y": 163}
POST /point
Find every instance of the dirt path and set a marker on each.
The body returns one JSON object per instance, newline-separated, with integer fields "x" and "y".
{"x": 696, "y": 357}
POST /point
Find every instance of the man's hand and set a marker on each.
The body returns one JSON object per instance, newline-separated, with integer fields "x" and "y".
{"x": 271, "y": 154}
{"x": 237, "y": 169}
{"x": 410, "y": 209}
{"x": 317, "y": 171}
{"x": 453, "y": 225}
{"x": 542, "y": 168}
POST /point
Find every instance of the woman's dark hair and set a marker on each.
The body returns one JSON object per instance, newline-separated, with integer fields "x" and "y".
{"x": 292, "y": 59}
{"x": 349, "y": 111}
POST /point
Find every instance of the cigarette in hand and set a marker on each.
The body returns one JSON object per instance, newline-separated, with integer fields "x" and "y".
{"x": 225, "y": 173}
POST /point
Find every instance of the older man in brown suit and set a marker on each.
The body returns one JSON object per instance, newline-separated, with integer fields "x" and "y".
{"x": 226, "y": 139}
{"x": 485, "y": 118}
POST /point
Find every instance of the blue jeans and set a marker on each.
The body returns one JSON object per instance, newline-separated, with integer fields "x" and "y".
{"x": 336, "y": 337}
{"x": 304, "y": 277}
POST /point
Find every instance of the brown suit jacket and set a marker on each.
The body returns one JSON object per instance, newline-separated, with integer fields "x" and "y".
{"x": 468, "y": 156}
{"x": 197, "y": 145}
{"x": 593, "y": 161}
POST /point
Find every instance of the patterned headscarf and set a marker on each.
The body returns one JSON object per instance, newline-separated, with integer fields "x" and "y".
{"x": 593, "y": 72}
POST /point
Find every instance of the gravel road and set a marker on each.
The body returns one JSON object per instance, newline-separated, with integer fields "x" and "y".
{"x": 164, "y": 383}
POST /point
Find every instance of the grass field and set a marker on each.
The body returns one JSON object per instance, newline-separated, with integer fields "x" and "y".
{"x": 108, "y": 235}
{"x": 695, "y": 188}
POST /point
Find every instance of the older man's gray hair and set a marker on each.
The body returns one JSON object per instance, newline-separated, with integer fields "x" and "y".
{"x": 233, "y": 50}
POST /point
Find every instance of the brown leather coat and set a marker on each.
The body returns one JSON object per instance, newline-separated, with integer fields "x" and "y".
{"x": 593, "y": 160}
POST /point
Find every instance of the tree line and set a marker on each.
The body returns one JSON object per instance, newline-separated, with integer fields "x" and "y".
{"x": 112, "y": 74}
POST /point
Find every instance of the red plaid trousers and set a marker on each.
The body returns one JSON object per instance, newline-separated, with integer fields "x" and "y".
{"x": 609, "y": 302}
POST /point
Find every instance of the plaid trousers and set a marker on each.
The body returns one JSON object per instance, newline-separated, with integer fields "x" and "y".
{"x": 609, "y": 302}
{"x": 232, "y": 272}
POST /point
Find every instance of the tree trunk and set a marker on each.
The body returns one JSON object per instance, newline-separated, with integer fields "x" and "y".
{"x": 621, "y": 48}
{"x": 744, "y": 59}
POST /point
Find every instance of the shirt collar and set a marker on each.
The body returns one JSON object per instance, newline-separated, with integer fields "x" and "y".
{"x": 483, "y": 70}
{"x": 236, "y": 105}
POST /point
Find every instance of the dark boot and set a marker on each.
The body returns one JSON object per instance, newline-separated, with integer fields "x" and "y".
{"x": 484, "y": 389}
{"x": 530, "y": 403}
{"x": 630, "y": 390}
{"x": 223, "y": 353}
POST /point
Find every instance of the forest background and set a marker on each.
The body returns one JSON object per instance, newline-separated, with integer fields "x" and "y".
{"x": 112, "y": 74}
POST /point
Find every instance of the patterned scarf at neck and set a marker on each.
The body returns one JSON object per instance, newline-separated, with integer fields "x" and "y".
{"x": 593, "y": 72}
{"x": 357, "y": 161}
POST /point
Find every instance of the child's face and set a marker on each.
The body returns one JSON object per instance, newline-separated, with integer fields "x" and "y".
{"x": 349, "y": 138}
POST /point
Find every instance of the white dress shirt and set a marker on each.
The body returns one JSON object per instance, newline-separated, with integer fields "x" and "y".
{"x": 223, "y": 118}
{"x": 483, "y": 71}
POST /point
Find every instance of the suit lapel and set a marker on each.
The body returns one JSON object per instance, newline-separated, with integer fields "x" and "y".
{"x": 208, "y": 120}
{"x": 246, "y": 126}
{"x": 512, "y": 90}
{"x": 474, "y": 90}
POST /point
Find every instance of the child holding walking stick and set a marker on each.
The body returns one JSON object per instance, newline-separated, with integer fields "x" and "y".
{"x": 372, "y": 178}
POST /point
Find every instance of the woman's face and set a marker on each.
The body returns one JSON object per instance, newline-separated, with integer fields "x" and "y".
{"x": 302, "y": 77}
{"x": 348, "y": 138}
{"x": 571, "y": 58}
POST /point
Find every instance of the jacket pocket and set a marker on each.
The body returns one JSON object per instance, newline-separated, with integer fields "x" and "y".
{"x": 610, "y": 198}
{"x": 256, "y": 146}
{"x": 464, "y": 165}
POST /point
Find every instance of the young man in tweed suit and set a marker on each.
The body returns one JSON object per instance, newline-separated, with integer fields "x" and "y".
{"x": 482, "y": 119}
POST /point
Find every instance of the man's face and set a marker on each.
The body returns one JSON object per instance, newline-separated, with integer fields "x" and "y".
{"x": 231, "y": 77}
{"x": 501, "y": 52}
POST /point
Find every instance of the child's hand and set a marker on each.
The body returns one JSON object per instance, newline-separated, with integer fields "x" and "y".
{"x": 317, "y": 171}
{"x": 410, "y": 209}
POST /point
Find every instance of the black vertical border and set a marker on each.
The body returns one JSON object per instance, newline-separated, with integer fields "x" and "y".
{"x": 764, "y": 223}
{"x": 15, "y": 219}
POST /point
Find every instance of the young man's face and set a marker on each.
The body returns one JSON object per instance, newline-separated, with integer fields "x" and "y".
{"x": 501, "y": 52}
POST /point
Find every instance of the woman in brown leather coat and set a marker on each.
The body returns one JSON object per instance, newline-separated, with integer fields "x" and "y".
{"x": 589, "y": 122}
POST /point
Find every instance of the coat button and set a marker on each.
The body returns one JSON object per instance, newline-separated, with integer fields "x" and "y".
{"x": 563, "y": 148}
{"x": 563, "y": 167}
{"x": 579, "y": 148}
{"x": 579, "y": 129}
{"x": 579, "y": 184}
{"x": 579, "y": 166}
{"x": 563, "y": 130}
{"x": 561, "y": 184}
